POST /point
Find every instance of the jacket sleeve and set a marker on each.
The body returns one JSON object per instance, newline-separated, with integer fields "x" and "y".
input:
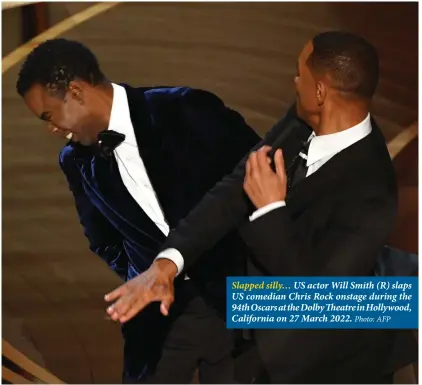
{"x": 349, "y": 243}
{"x": 104, "y": 239}
{"x": 221, "y": 210}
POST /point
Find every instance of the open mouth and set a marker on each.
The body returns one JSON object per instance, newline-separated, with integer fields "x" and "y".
{"x": 69, "y": 136}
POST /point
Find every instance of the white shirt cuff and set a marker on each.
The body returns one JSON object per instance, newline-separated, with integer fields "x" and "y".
{"x": 266, "y": 209}
{"x": 174, "y": 256}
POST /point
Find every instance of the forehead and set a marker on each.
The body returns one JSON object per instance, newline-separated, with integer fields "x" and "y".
{"x": 39, "y": 100}
{"x": 306, "y": 51}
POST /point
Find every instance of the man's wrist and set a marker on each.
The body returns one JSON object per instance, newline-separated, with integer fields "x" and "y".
{"x": 167, "y": 266}
{"x": 269, "y": 202}
{"x": 266, "y": 209}
{"x": 174, "y": 256}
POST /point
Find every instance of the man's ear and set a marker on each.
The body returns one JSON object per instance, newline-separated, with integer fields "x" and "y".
{"x": 76, "y": 92}
{"x": 321, "y": 93}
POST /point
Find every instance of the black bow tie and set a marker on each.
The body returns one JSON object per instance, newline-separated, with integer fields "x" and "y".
{"x": 108, "y": 141}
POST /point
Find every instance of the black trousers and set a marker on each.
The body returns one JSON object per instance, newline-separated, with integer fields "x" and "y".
{"x": 159, "y": 349}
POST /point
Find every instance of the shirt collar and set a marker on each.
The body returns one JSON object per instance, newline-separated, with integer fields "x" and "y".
{"x": 323, "y": 146}
{"x": 120, "y": 120}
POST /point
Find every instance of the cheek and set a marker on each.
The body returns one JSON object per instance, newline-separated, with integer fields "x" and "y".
{"x": 73, "y": 117}
{"x": 301, "y": 91}
{"x": 306, "y": 94}
{"x": 306, "y": 100}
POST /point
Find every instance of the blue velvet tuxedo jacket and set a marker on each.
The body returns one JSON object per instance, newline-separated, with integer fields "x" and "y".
{"x": 188, "y": 140}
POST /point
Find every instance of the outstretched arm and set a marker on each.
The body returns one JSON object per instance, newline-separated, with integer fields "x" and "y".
{"x": 220, "y": 211}
{"x": 226, "y": 205}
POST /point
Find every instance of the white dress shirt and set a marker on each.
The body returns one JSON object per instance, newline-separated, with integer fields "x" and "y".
{"x": 131, "y": 167}
{"x": 321, "y": 149}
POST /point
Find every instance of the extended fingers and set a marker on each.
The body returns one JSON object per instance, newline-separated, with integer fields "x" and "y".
{"x": 166, "y": 303}
{"x": 116, "y": 293}
{"x": 132, "y": 300}
{"x": 135, "y": 307}
{"x": 121, "y": 306}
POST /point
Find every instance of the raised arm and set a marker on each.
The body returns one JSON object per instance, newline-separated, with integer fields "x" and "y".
{"x": 349, "y": 244}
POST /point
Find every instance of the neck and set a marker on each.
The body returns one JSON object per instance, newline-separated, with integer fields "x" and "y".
{"x": 104, "y": 103}
{"x": 340, "y": 117}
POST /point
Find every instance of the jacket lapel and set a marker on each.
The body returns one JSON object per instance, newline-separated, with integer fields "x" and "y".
{"x": 291, "y": 138}
{"x": 107, "y": 189}
{"x": 157, "y": 146}
{"x": 293, "y": 143}
{"x": 147, "y": 139}
{"x": 323, "y": 180}
{"x": 100, "y": 174}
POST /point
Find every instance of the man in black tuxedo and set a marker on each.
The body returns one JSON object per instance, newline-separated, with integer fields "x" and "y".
{"x": 138, "y": 160}
{"x": 323, "y": 204}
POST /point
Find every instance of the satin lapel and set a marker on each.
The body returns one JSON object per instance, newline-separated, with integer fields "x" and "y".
{"x": 146, "y": 138}
{"x": 165, "y": 148}
{"x": 94, "y": 169}
{"x": 290, "y": 140}
{"x": 314, "y": 185}
{"x": 323, "y": 180}
{"x": 153, "y": 145}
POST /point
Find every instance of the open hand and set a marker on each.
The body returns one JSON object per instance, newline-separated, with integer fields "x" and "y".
{"x": 153, "y": 285}
{"x": 262, "y": 185}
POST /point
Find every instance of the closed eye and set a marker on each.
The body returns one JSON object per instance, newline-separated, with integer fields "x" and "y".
{"x": 46, "y": 116}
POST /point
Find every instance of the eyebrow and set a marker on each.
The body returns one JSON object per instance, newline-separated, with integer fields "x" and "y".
{"x": 45, "y": 116}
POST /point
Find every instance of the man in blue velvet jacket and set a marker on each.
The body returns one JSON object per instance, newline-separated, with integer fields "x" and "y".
{"x": 137, "y": 162}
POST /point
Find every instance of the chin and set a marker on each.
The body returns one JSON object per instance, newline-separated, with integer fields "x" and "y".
{"x": 85, "y": 142}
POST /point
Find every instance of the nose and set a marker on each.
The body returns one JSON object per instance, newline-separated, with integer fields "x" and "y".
{"x": 58, "y": 131}
{"x": 52, "y": 128}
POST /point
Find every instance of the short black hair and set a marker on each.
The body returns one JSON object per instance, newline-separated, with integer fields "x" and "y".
{"x": 349, "y": 60}
{"x": 55, "y": 63}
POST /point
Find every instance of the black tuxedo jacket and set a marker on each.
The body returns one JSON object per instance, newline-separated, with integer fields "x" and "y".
{"x": 335, "y": 223}
{"x": 188, "y": 140}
